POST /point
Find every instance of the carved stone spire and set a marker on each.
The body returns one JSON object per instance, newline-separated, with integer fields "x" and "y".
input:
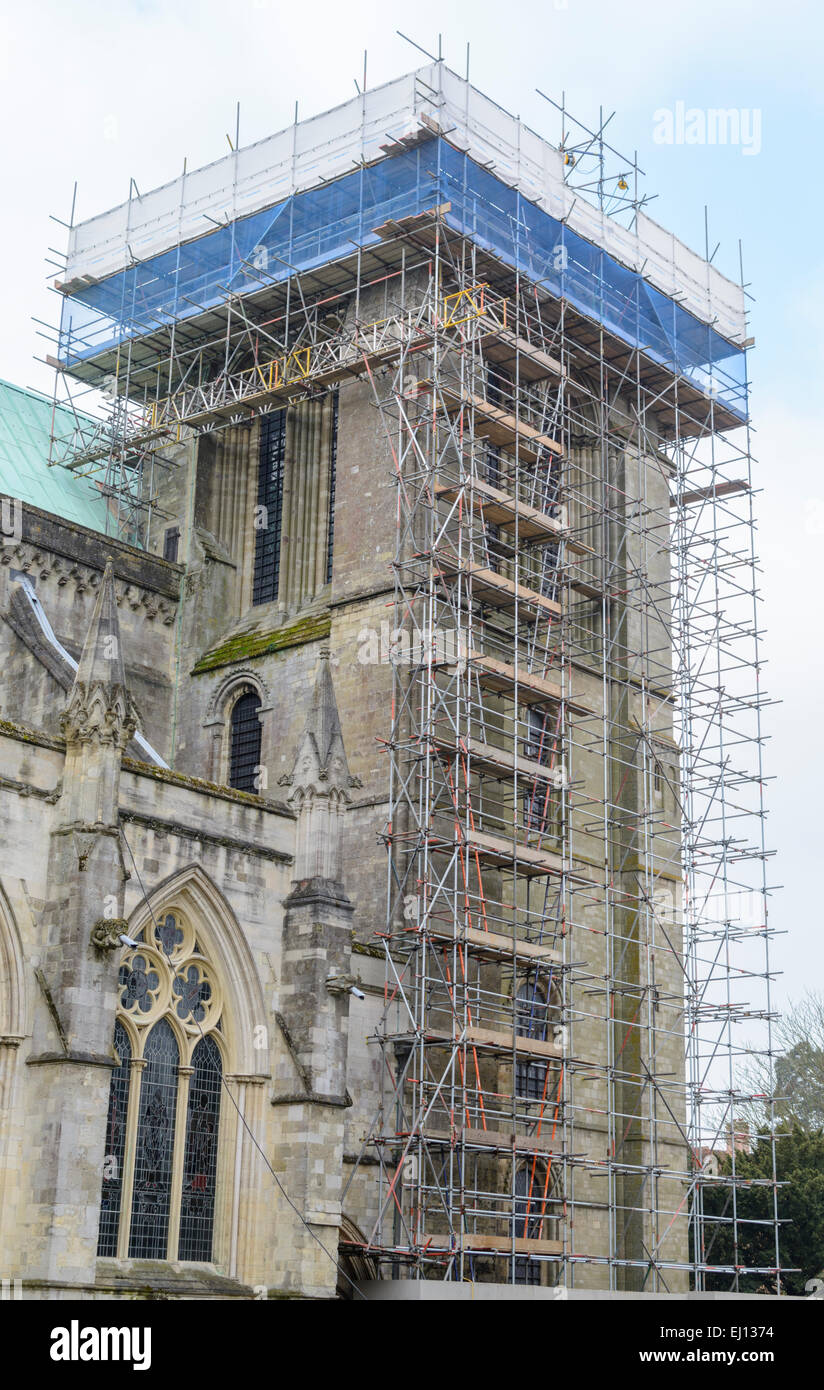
{"x": 99, "y": 707}
{"x": 99, "y": 718}
{"x": 320, "y": 783}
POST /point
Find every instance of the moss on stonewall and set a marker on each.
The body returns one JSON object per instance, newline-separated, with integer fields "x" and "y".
{"x": 23, "y": 733}
{"x": 246, "y": 646}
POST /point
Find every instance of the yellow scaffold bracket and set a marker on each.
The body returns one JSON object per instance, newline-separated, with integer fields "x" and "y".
{"x": 463, "y": 305}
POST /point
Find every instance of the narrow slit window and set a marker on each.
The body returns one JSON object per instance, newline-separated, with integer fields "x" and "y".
{"x": 492, "y": 533}
{"x": 539, "y": 804}
{"x": 171, "y": 542}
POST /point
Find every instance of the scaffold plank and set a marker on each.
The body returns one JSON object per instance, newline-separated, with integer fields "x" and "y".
{"x": 495, "y": 1245}
{"x": 509, "y": 351}
{"x": 499, "y": 426}
{"x": 504, "y": 853}
{"x": 528, "y": 688}
{"x": 495, "y": 944}
{"x": 497, "y": 762}
{"x": 498, "y": 1140}
{"x": 497, "y": 1041}
{"x": 504, "y": 510}
{"x": 495, "y": 589}
{"x": 706, "y": 494}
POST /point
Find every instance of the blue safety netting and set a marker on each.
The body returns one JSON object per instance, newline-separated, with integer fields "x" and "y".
{"x": 325, "y": 223}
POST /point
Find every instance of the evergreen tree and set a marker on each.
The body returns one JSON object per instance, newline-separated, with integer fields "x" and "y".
{"x": 800, "y": 1167}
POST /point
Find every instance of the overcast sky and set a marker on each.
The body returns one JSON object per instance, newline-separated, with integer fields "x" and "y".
{"x": 98, "y": 94}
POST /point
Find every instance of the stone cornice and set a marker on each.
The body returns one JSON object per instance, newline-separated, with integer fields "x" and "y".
{"x": 51, "y": 535}
{"x": 24, "y": 733}
{"x": 85, "y": 576}
{"x": 86, "y": 1059}
{"x": 213, "y": 789}
{"x": 190, "y": 832}
{"x": 11, "y": 784}
{"x": 313, "y": 1098}
{"x": 318, "y": 891}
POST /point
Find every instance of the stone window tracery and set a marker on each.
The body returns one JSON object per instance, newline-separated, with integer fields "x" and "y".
{"x": 160, "y": 1167}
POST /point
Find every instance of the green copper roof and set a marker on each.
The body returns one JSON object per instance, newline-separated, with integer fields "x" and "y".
{"x": 25, "y": 428}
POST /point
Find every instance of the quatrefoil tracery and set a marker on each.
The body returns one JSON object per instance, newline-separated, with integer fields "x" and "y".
{"x": 169, "y": 972}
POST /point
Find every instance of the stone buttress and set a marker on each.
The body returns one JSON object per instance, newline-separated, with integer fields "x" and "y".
{"x": 313, "y": 1015}
{"x": 77, "y": 975}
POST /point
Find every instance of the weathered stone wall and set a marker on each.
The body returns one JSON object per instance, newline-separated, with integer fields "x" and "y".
{"x": 186, "y": 838}
{"x": 65, "y": 563}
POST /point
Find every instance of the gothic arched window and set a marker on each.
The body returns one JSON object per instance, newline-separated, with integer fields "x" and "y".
{"x": 161, "y": 1161}
{"x": 245, "y": 742}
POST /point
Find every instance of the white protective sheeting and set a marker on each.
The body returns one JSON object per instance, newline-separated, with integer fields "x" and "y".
{"x": 363, "y": 129}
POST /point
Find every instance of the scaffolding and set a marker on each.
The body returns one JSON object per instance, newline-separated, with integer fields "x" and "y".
{"x": 576, "y": 943}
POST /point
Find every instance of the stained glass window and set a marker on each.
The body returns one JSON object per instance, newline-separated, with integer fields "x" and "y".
{"x": 155, "y": 1146}
{"x": 140, "y": 985}
{"x": 115, "y": 1150}
{"x": 168, "y": 934}
{"x": 200, "y": 1156}
{"x": 170, "y": 980}
{"x": 193, "y": 993}
{"x": 244, "y": 758}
